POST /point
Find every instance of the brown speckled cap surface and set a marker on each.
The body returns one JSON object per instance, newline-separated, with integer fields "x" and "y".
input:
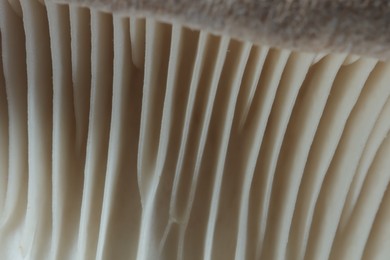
{"x": 354, "y": 26}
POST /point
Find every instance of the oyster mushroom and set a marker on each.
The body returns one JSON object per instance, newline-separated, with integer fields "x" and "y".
{"x": 194, "y": 130}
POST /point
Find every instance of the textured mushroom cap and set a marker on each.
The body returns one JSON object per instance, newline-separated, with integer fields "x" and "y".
{"x": 351, "y": 26}
{"x": 123, "y": 137}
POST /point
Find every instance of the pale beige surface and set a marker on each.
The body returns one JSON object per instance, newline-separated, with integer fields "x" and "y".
{"x": 127, "y": 138}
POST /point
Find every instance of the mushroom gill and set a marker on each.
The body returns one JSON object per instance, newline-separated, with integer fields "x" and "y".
{"x": 124, "y": 137}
